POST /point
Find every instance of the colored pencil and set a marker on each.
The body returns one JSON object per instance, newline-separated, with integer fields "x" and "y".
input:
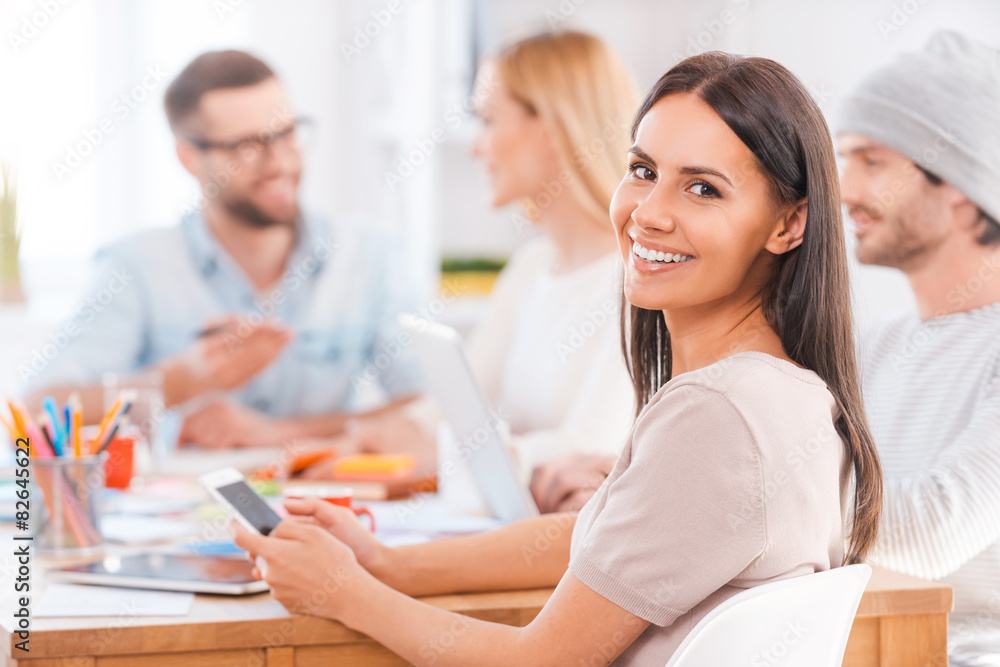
{"x": 49, "y": 404}
{"x": 76, "y": 420}
{"x": 18, "y": 419}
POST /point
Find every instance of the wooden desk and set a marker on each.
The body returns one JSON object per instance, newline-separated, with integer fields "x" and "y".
{"x": 901, "y": 622}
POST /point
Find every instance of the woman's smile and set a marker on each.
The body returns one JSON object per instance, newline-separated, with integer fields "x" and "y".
{"x": 648, "y": 257}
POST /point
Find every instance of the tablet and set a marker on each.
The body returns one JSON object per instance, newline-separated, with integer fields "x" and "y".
{"x": 166, "y": 572}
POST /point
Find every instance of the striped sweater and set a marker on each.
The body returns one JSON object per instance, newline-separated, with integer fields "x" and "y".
{"x": 932, "y": 393}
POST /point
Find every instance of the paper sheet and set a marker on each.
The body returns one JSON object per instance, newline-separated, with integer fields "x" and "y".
{"x": 135, "y": 529}
{"x": 131, "y": 503}
{"x": 64, "y": 600}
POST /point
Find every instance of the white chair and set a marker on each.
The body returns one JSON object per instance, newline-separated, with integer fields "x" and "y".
{"x": 802, "y": 621}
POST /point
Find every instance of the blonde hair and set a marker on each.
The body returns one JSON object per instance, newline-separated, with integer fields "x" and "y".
{"x": 585, "y": 96}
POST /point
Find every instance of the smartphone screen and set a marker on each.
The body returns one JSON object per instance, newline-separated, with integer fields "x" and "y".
{"x": 251, "y": 506}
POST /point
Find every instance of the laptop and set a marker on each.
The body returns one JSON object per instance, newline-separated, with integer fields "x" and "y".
{"x": 480, "y": 435}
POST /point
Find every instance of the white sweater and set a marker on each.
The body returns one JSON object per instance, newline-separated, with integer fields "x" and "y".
{"x": 932, "y": 393}
{"x": 548, "y": 355}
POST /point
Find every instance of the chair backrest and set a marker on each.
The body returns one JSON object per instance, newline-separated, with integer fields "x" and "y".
{"x": 799, "y": 621}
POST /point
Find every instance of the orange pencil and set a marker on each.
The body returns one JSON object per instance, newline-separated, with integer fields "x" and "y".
{"x": 76, "y": 418}
{"x": 107, "y": 416}
{"x": 10, "y": 428}
{"x": 18, "y": 420}
{"x": 105, "y": 424}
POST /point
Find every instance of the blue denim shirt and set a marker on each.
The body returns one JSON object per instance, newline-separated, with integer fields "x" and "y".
{"x": 341, "y": 293}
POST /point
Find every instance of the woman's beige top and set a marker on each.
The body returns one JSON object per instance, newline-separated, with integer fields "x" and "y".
{"x": 733, "y": 476}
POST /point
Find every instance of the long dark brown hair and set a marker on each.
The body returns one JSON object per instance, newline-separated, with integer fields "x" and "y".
{"x": 808, "y": 300}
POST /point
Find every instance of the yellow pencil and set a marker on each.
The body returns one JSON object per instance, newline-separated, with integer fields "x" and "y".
{"x": 76, "y": 414}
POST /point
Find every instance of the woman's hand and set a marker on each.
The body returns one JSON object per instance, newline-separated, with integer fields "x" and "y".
{"x": 342, "y": 523}
{"x": 309, "y": 570}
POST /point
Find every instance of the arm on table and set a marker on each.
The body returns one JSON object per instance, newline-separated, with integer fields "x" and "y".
{"x": 936, "y": 520}
{"x": 576, "y": 623}
{"x": 532, "y": 553}
{"x": 224, "y": 425}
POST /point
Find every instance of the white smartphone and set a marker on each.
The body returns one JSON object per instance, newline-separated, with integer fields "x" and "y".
{"x": 229, "y": 487}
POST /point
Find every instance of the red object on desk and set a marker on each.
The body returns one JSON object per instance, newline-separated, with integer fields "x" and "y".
{"x": 119, "y": 466}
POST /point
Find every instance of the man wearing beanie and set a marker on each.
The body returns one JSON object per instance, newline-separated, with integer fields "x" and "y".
{"x": 920, "y": 139}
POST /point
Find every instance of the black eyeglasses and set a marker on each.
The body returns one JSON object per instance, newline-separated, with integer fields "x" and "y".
{"x": 251, "y": 148}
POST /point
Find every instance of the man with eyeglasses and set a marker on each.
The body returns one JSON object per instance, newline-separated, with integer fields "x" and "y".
{"x": 268, "y": 323}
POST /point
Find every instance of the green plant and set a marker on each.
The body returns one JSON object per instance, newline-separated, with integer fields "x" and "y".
{"x": 10, "y": 234}
{"x": 483, "y": 264}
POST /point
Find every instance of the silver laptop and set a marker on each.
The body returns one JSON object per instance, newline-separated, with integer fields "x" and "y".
{"x": 479, "y": 433}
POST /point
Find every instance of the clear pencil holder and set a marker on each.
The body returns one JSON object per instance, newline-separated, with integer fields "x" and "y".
{"x": 66, "y": 507}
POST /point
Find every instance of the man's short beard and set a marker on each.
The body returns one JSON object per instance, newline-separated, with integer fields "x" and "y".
{"x": 249, "y": 213}
{"x": 903, "y": 246}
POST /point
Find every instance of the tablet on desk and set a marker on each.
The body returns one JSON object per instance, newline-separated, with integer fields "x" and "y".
{"x": 166, "y": 572}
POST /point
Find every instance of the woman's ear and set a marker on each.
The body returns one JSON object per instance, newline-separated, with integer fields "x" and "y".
{"x": 789, "y": 229}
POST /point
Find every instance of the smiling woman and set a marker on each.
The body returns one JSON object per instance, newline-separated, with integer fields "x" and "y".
{"x": 739, "y": 338}
{"x": 768, "y": 220}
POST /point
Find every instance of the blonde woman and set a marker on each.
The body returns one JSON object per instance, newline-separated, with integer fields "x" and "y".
{"x": 555, "y": 113}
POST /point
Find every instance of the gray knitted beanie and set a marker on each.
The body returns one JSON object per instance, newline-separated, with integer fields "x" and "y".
{"x": 940, "y": 107}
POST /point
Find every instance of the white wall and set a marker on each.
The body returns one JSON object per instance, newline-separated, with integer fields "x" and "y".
{"x": 372, "y": 107}
{"x": 829, "y": 45}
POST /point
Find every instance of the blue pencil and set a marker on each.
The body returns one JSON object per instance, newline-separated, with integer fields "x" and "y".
{"x": 49, "y": 404}
{"x": 67, "y": 432}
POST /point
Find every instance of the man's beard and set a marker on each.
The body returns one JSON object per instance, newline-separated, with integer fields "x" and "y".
{"x": 249, "y": 213}
{"x": 899, "y": 241}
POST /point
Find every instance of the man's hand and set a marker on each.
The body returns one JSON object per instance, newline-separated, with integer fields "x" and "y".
{"x": 566, "y": 484}
{"x": 228, "y": 354}
{"x": 224, "y": 425}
